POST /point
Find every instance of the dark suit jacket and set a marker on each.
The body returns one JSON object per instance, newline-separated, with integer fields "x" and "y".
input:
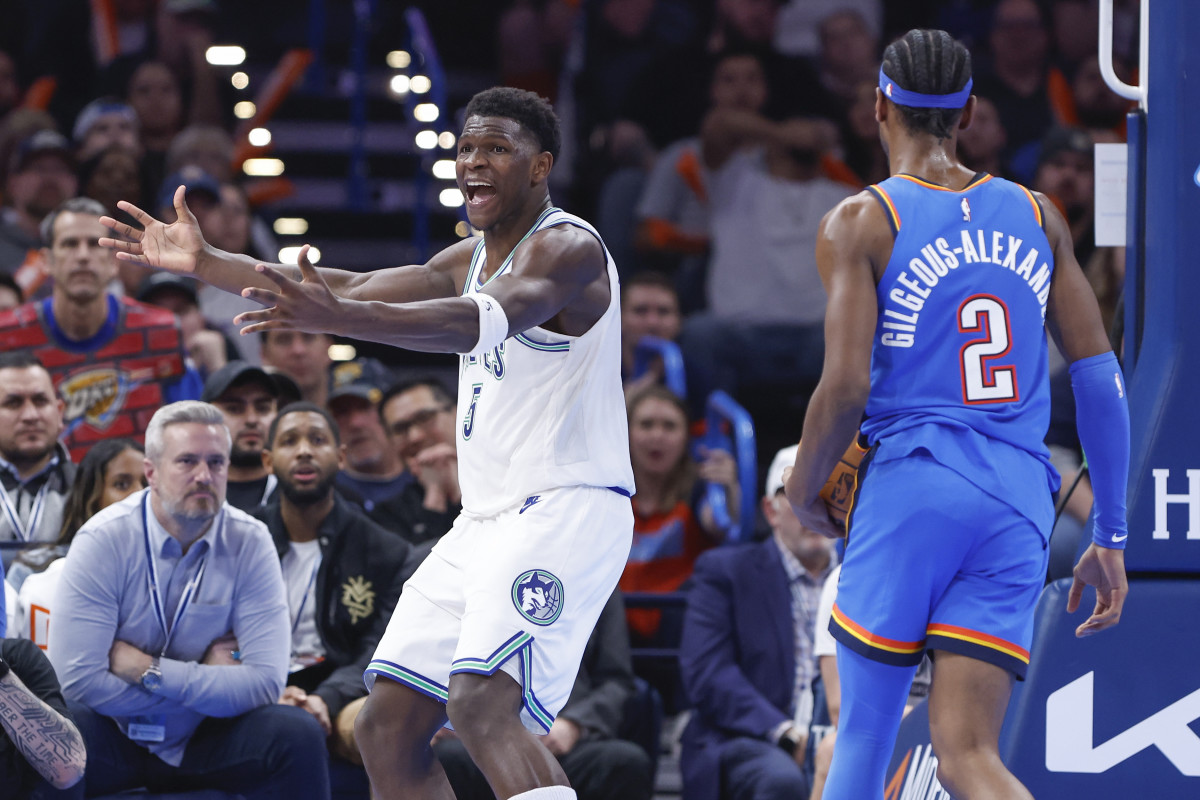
{"x": 737, "y": 657}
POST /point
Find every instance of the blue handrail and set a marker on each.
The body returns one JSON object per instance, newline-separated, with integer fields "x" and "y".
{"x": 722, "y": 410}
{"x": 647, "y": 348}
{"x": 357, "y": 192}
{"x": 424, "y": 53}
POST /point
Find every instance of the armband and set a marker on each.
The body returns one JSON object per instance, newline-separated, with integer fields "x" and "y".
{"x": 1102, "y": 420}
{"x": 493, "y": 323}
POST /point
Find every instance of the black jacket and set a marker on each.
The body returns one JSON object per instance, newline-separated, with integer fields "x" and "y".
{"x": 363, "y": 568}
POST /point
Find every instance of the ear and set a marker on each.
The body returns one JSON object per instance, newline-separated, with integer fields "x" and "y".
{"x": 44, "y": 261}
{"x": 881, "y": 106}
{"x": 768, "y": 509}
{"x": 148, "y": 468}
{"x": 540, "y": 169}
{"x": 968, "y": 114}
{"x": 341, "y": 457}
{"x": 268, "y": 461}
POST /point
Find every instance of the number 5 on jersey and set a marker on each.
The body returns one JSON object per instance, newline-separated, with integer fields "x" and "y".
{"x": 469, "y": 420}
{"x": 983, "y": 381}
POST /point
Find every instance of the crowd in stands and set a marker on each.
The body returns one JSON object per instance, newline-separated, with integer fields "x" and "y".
{"x": 706, "y": 141}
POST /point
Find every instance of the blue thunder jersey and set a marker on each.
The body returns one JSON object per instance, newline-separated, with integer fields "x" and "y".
{"x": 542, "y": 410}
{"x": 959, "y": 361}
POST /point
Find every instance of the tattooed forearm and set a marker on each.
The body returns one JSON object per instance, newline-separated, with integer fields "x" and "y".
{"x": 47, "y": 740}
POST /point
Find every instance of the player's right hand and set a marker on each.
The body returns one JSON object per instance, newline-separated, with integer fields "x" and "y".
{"x": 175, "y": 247}
{"x": 1103, "y": 568}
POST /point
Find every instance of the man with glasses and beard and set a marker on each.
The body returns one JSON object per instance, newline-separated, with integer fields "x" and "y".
{"x": 342, "y": 571}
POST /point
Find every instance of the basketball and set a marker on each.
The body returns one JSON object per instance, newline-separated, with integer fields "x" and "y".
{"x": 838, "y": 491}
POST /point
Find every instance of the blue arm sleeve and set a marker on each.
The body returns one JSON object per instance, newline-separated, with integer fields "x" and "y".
{"x": 1102, "y": 419}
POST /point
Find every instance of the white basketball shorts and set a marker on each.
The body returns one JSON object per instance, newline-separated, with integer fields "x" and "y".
{"x": 519, "y": 591}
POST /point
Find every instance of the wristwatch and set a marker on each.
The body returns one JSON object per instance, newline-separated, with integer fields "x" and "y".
{"x": 789, "y": 740}
{"x": 151, "y": 679}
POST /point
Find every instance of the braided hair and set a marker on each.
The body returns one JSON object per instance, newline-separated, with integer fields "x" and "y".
{"x": 929, "y": 62}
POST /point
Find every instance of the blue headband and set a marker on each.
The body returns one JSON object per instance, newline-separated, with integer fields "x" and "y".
{"x": 903, "y": 97}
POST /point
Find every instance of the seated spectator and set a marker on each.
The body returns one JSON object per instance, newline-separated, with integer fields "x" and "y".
{"x": 40, "y": 747}
{"x": 206, "y": 147}
{"x": 111, "y": 471}
{"x": 303, "y": 357}
{"x": 41, "y": 175}
{"x": 154, "y": 93}
{"x": 372, "y": 472}
{"x": 748, "y": 668}
{"x": 115, "y": 360}
{"x": 173, "y": 680}
{"x": 981, "y": 144}
{"x": 420, "y": 417}
{"x": 11, "y": 294}
{"x": 766, "y": 304}
{"x": 35, "y": 470}
{"x": 103, "y": 123}
{"x": 672, "y": 213}
{"x": 248, "y": 398}
{"x": 649, "y": 307}
{"x": 583, "y": 738}
{"x": 672, "y": 524}
{"x": 208, "y": 347}
{"x": 343, "y": 573}
{"x": 109, "y": 176}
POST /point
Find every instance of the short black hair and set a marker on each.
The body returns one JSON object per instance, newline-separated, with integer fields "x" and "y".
{"x": 650, "y": 277}
{"x": 441, "y": 394}
{"x": 20, "y": 359}
{"x": 529, "y": 109}
{"x": 929, "y": 62}
{"x": 303, "y": 405}
{"x": 9, "y": 282}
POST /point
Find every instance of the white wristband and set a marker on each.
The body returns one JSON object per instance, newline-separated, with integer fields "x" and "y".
{"x": 493, "y": 323}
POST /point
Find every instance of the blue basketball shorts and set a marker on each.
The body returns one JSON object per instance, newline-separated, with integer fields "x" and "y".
{"x": 934, "y": 562}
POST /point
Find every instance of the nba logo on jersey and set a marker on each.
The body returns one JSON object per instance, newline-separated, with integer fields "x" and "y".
{"x": 966, "y": 209}
{"x": 538, "y": 595}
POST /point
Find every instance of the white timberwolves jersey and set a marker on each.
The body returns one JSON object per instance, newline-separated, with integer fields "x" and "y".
{"x": 543, "y": 410}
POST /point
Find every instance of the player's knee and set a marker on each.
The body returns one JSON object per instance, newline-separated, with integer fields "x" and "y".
{"x": 479, "y": 704}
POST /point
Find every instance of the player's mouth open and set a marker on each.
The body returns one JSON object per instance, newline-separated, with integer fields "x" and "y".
{"x": 479, "y": 192}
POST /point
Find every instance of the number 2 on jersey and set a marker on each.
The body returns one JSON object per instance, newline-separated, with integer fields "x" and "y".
{"x": 982, "y": 380}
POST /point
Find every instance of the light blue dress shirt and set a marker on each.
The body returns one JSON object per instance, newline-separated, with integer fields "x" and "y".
{"x": 104, "y": 595}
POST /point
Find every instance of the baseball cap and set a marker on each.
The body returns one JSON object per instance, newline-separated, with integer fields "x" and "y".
{"x": 784, "y": 458}
{"x": 363, "y": 377}
{"x": 235, "y": 373}
{"x": 152, "y": 284}
{"x": 40, "y": 143}
{"x": 1065, "y": 140}
{"x": 96, "y": 109}
{"x": 193, "y": 179}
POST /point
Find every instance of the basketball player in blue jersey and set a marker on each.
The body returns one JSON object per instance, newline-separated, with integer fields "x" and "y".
{"x": 941, "y": 284}
{"x": 490, "y": 630}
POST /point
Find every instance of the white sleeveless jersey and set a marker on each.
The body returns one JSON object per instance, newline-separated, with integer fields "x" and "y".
{"x": 542, "y": 410}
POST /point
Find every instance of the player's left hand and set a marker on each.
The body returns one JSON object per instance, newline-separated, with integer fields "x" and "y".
{"x": 307, "y": 304}
{"x": 1103, "y": 568}
{"x": 813, "y": 514}
{"x": 563, "y": 736}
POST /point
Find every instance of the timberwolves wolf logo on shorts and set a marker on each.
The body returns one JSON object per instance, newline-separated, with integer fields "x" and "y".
{"x": 538, "y": 595}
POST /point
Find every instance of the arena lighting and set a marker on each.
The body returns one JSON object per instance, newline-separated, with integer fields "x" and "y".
{"x": 425, "y": 112}
{"x": 240, "y": 80}
{"x": 451, "y": 198}
{"x": 446, "y": 140}
{"x": 420, "y": 84}
{"x": 399, "y": 84}
{"x": 263, "y": 167}
{"x": 291, "y": 255}
{"x": 462, "y": 229}
{"x": 426, "y": 140}
{"x": 444, "y": 169}
{"x": 342, "y": 352}
{"x": 244, "y": 110}
{"x": 291, "y": 226}
{"x": 399, "y": 59}
{"x": 259, "y": 137}
{"x": 225, "y": 55}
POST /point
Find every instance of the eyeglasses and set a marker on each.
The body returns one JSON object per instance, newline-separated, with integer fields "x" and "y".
{"x": 422, "y": 418}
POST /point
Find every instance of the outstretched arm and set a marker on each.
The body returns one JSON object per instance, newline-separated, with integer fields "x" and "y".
{"x": 852, "y": 239}
{"x": 180, "y": 247}
{"x": 557, "y": 274}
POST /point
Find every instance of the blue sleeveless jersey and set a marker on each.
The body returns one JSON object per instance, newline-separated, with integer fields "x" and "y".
{"x": 959, "y": 360}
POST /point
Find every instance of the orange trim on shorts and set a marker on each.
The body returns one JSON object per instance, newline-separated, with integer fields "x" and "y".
{"x": 981, "y": 639}
{"x": 873, "y": 640}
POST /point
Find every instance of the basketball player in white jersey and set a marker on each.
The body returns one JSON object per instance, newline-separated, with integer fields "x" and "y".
{"x": 490, "y": 631}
